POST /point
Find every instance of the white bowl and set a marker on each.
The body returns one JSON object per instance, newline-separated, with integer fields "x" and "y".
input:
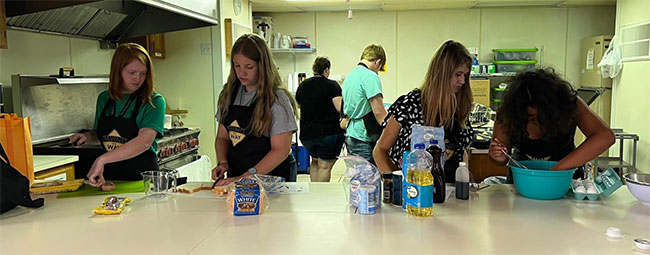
{"x": 639, "y": 186}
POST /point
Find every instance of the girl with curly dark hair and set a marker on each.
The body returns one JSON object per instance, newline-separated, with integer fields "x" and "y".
{"x": 538, "y": 117}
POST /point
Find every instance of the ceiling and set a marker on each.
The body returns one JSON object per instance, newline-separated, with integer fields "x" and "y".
{"x": 399, "y": 5}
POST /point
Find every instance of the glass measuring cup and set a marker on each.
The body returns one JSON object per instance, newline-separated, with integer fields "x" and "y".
{"x": 157, "y": 183}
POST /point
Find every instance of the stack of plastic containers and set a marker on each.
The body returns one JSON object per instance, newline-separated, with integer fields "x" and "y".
{"x": 514, "y": 60}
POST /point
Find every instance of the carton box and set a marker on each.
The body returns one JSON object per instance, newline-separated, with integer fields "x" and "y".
{"x": 481, "y": 91}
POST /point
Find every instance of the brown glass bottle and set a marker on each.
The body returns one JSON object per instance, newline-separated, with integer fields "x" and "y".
{"x": 439, "y": 191}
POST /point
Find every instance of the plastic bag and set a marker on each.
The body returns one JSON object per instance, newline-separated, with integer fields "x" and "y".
{"x": 246, "y": 197}
{"x": 612, "y": 62}
{"x": 360, "y": 172}
{"x": 272, "y": 184}
{"x": 112, "y": 205}
{"x": 424, "y": 134}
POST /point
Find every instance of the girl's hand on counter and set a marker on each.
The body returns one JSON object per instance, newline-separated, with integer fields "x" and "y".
{"x": 78, "y": 139}
{"x": 96, "y": 173}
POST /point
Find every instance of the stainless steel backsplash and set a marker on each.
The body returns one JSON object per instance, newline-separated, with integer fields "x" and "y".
{"x": 57, "y": 110}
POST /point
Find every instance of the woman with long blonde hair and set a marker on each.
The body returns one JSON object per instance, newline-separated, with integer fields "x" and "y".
{"x": 255, "y": 115}
{"x": 443, "y": 100}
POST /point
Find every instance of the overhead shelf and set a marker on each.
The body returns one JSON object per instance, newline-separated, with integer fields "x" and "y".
{"x": 294, "y": 50}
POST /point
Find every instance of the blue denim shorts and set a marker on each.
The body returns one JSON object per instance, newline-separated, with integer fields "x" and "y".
{"x": 325, "y": 147}
{"x": 360, "y": 148}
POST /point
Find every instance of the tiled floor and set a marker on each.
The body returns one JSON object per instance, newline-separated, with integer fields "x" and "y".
{"x": 337, "y": 173}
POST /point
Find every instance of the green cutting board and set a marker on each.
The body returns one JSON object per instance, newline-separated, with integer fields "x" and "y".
{"x": 120, "y": 188}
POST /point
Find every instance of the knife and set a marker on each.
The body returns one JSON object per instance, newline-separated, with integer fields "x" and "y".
{"x": 215, "y": 182}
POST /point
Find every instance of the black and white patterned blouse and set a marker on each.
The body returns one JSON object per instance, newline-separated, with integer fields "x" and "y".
{"x": 407, "y": 110}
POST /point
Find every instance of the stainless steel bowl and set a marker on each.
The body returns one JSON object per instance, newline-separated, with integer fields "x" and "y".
{"x": 638, "y": 178}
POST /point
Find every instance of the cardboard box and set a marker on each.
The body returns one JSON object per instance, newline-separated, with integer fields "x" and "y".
{"x": 481, "y": 91}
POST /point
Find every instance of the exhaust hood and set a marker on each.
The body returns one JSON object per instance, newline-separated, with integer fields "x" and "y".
{"x": 110, "y": 20}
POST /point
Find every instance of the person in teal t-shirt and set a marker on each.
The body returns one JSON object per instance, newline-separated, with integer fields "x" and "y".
{"x": 129, "y": 119}
{"x": 363, "y": 103}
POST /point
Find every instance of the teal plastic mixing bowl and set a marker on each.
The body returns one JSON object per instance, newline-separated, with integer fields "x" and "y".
{"x": 537, "y": 182}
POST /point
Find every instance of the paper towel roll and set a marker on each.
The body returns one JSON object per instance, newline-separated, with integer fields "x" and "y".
{"x": 197, "y": 171}
{"x": 290, "y": 82}
{"x": 295, "y": 82}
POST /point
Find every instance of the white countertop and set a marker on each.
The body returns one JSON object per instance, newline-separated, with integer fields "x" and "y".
{"x": 44, "y": 162}
{"x": 493, "y": 221}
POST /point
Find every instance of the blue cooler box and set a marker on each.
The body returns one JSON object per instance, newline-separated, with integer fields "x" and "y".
{"x": 302, "y": 157}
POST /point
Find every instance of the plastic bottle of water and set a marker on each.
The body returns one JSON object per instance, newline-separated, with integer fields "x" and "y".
{"x": 419, "y": 183}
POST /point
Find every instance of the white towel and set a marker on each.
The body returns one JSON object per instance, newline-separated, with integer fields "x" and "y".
{"x": 197, "y": 171}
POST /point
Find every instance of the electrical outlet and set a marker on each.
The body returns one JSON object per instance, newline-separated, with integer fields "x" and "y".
{"x": 206, "y": 49}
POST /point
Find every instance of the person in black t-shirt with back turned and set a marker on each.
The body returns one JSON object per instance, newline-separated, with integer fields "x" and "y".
{"x": 320, "y": 103}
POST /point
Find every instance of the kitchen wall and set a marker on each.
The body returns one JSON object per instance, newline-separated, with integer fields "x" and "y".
{"x": 245, "y": 17}
{"x": 631, "y": 90}
{"x": 184, "y": 77}
{"x": 32, "y": 53}
{"x": 410, "y": 38}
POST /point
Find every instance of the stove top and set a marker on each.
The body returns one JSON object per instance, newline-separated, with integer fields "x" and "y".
{"x": 174, "y": 131}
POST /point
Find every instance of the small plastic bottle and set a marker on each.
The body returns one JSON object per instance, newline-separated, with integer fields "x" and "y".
{"x": 462, "y": 182}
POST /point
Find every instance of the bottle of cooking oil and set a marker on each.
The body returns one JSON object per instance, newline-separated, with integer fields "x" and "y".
{"x": 419, "y": 182}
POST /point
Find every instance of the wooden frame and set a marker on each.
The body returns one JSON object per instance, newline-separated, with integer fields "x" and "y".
{"x": 3, "y": 26}
{"x": 234, "y": 30}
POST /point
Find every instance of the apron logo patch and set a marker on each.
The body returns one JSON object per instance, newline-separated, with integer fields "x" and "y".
{"x": 538, "y": 158}
{"x": 236, "y": 133}
{"x": 113, "y": 140}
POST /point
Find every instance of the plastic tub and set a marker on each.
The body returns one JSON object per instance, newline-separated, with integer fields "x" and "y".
{"x": 497, "y": 93}
{"x": 515, "y": 54}
{"x": 537, "y": 182}
{"x": 514, "y": 66}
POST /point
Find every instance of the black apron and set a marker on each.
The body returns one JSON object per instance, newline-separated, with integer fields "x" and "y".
{"x": 546, "y": 150}
{"x": 114, "y": 131}
{"x": 373, "y": 128}
{"x": 246, "y": 150}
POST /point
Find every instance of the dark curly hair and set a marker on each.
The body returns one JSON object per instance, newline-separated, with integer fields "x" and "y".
{"x": 543, "y": 89}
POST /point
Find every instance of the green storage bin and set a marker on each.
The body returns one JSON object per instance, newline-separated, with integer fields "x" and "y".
{"x": 514, "y": 66}
{"x": 515, "y": 54}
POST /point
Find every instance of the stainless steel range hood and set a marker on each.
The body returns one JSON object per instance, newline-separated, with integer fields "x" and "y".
{"x": 110, "y": 20}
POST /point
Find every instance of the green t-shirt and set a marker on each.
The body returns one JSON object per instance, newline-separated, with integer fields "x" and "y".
{"x": 148, "y": 116}
{"x": 358, "y": 87}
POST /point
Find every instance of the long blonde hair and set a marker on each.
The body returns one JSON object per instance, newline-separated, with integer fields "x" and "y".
{"x": 439, "y": 103}
{"x": 268, "y": 79}
{"x": 124, "y": 54}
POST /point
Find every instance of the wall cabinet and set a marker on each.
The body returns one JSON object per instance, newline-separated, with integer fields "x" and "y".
{"x": 482, "y": 167}
{"x": 154, "y": 44}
